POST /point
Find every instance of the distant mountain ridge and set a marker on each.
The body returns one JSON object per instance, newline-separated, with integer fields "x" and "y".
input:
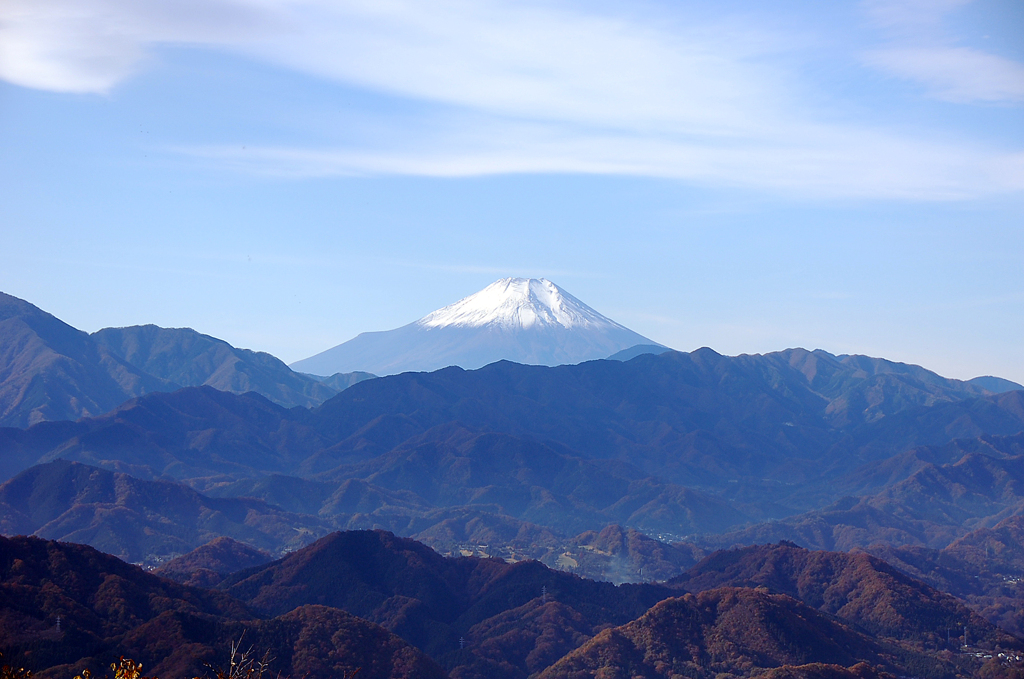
{"x": 592, "y": 468}
{"x": 997, "y": 385}
{"x": 187, "y": 358}
{"x": 531, "y": 321}
{"x": 638, "y": 350}
{"x": 51, "y": 371}
{"x": 673, "y": 444}
{"x": 718, "y": 415}
{"x": 515, "y": 460}
{"x": 154, "y": 520}
{"x": 928, "y": 496}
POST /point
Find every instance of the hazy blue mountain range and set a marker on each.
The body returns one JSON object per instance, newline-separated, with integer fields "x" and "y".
{"x": 342, "y": 381}
{"x": 638, "y": 350}
{"x": 928, "y": 496}
{"x": 150, "y": 522}
{"x": 50, "y": 371}
{"x": 997, "y": 385}
{"x": 139, "y": 520}
{"x": 524, "y": 320}
{"x": 699, "y": 419}
{"x": 527, "y": 457}
{"x": 187, "y": 358}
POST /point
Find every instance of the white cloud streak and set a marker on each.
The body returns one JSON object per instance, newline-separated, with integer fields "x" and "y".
{"x": 542, "y": 88}
{"x": 835, "y": 165}
{"x": 957, "y": 74}
{"x": 922, "y": 51}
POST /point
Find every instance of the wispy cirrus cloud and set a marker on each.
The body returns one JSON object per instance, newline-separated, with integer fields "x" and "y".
{"x": 538, "y": 87}
{"x": 955, "y": 74}
{"x": 922, "y": 49}
{"x": 525, "y": 60}
{"x": 826, "y": 162}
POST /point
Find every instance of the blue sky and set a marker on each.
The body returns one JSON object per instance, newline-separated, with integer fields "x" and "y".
{"x": 285, "y": 174}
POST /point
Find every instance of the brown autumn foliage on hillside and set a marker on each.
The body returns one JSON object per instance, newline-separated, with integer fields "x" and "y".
{"x": 802, "y": 613}
{"x": 107, "y": 608}
{"x": 1000, "y": 548}
{"x": 984, "y": 568}
{"x": 207, "y": 565}
{"x": 825, "y": 671}
{"x": 429, "y": 600}
{"x": 727, "y": 630}
{"x": 524, "y": 640}
{"x": 858, "y": 588}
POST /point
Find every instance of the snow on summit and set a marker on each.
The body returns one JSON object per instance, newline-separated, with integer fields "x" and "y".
{"x": 526, "y": 320}
{"x": 518, "y": 303}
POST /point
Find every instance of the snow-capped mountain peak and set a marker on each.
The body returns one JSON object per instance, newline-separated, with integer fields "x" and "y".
{"x": 518, "y": 303}
{"x": 526, "y": 320}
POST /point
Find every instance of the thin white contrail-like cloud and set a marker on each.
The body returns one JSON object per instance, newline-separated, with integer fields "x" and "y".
{"x": 533, "y": 87}
{"x": 828, "y": 162}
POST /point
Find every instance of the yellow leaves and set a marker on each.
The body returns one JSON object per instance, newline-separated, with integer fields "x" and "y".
{"x": 8, "y": 672}
{"x": 125, "y": 668}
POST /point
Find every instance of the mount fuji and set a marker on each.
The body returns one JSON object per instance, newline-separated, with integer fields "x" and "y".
{"x": 526, "y": 320}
